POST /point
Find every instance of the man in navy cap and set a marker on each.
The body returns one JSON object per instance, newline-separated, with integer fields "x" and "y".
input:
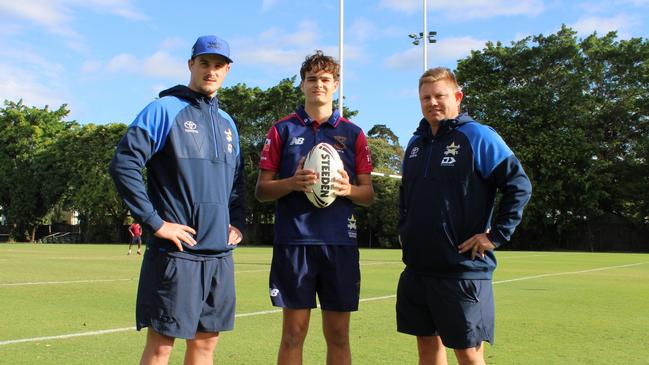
{"x": 193, "y": 203}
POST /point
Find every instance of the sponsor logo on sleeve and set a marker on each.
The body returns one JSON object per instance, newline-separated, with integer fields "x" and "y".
{"x": 414, "y": 152}
{"x": 228, "y": 137}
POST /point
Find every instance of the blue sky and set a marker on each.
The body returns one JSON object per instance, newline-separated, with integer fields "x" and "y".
{"x": 107, "y": 59}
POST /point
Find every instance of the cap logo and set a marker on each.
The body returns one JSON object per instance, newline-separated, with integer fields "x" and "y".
{"x": 213, "y": 44}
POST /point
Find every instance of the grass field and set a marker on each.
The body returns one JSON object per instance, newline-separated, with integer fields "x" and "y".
{"x": 74, "y": 304}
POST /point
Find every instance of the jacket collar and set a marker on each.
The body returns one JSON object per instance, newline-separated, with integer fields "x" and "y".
{"x": 446, "y": 125}
{"x": 189, "y": 95}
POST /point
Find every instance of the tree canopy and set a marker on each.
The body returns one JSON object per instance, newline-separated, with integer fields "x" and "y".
{"x": 575, "y": 112}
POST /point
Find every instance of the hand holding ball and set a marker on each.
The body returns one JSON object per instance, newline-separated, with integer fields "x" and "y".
{"x": 325, "y": 161}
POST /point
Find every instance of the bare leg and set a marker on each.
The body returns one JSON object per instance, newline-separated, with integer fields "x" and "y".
{"x": 431, "y": 350}
{"x": 200, "y": 349}
{"x": 294, "y": 329}
{"x": 157, "y": 349}
{"x": 335, "y": 326}
{"x": 471, "y": 356}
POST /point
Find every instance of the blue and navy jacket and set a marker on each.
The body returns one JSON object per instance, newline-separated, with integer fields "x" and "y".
{"x": 190, "y": 149}
{"x": 297, "y": 221}
{"x": 447, "y": 195}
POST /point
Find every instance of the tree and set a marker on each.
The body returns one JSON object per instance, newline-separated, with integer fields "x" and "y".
{"x": 87, "y": 153}
{"x": 382, "y": 216}
{"x": 30, "y": 182}
{"x": 573, "y": 111}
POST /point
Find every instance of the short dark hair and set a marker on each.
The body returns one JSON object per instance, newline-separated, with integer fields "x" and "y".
{"x": 319, "y": 62}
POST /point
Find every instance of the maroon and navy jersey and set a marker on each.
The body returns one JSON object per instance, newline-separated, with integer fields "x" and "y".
{"x": 297, "y": 221}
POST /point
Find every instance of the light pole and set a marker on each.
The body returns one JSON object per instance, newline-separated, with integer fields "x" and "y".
{"x": 341, "y": 54}
{"x": 426, "y": 37}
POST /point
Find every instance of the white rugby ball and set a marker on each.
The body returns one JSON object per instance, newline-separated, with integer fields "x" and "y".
{"x": 326, "y": 162}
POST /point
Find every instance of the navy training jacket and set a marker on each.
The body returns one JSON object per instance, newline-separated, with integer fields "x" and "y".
{"x": 194, "y": 170}
{"x": 447, "y": 195}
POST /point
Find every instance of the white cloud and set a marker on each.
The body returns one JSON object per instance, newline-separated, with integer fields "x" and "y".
{"x": 160, "y": 64}
{"x": 33, "y": 88}
{"x": 444, "y": 51}
{"x": 277, "y": 47}
{"x": 56, "y": 16}
{"x": 469, "y": 9}
{"x": 621, "y": 23}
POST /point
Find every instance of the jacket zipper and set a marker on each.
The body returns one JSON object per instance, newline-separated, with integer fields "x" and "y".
{"x": 430, "y": 152}
{"x": 216, "y": 151}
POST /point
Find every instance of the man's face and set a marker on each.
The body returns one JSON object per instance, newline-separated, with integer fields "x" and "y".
{"x": 439, "y": 100}
{"x": 318, "y": 87}
{"x": 207, "y": 73}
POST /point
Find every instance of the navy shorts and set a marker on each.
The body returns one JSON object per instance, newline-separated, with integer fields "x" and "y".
{"x": 298, "y": 272}
{"x": 460, "y": 311}
{"x": 180, "y": 294}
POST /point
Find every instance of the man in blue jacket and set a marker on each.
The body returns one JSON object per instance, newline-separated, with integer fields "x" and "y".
{"x": 193, "y": 204}
{"x": 452, "y": 168}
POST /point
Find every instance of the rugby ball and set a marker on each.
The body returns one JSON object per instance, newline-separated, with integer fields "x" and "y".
{"x": 326, "y": 162}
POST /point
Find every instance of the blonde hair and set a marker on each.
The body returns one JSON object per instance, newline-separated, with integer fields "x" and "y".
{"x": 436, "y": 74}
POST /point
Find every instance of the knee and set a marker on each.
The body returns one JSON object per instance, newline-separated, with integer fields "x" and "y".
{"x": 338, "y": 337}
{"x": 470, "y": 356}
{"x": 204, "y": 345}
{"x": 158, "y": 351}
{"x": 294, "y": 336}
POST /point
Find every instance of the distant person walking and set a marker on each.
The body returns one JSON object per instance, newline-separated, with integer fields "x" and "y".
{"x": 136, "y": 237}
{"x": 193, "y": 205}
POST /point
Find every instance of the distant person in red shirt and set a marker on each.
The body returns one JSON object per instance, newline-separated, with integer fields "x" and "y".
{"x": 136, "y": 236}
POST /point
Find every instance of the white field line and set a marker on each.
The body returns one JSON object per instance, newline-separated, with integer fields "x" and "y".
{"x": 90, "y": 281}
{"x": 102, "y": 332}
{"x": 125, "y": 329}
{"x": 63, "y": 282}
{"x": 569, "y": 273}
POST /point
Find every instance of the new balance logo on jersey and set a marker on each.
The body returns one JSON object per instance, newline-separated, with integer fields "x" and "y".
{"x": 274, "y": 292}
{"x": 296, "y": 141}
{"x": 414, "y": 152}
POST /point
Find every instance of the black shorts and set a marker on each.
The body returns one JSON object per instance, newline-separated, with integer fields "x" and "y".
{"x": 180, "y": 294}
{"x": 298, "y": 272}
{"x": 460, "y": 311}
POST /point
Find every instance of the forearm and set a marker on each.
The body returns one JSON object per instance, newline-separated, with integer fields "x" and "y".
{"x": 271, "y": 190}
{"x": 362, "y": 195}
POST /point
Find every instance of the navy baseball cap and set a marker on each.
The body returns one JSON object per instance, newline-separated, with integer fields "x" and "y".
{"x": 211, "y": 44}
